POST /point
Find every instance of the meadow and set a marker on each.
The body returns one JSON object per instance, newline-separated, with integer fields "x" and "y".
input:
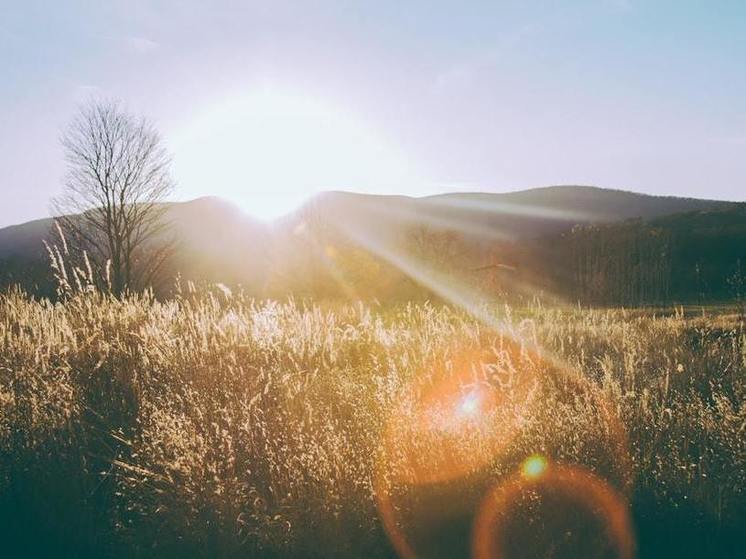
{"x": 213, "y": 425}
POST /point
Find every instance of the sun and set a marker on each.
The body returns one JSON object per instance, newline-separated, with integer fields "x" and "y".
{"x": 269, "y": 150}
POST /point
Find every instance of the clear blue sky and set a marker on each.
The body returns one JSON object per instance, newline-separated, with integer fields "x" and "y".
{"x": 642, "y": 95}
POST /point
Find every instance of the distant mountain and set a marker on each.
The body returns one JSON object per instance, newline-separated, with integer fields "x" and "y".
{"x": 217, "y": 242}
{"x": 511, "y": 215}
{"x": 24, "y": 240}
{"x": 204, "y": 224}
{"x": 583, "y": 203}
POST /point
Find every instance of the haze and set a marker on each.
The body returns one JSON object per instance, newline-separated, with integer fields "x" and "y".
{"x": 265, "y": 103}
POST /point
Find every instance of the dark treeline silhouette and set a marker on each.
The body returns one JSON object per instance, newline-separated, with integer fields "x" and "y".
{"x": 693, "y": 257}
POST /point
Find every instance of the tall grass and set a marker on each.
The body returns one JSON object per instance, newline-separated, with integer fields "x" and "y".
{"x": 213, "y": 425}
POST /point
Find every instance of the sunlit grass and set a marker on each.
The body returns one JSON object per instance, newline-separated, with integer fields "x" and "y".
{"x": 213, "y": 425}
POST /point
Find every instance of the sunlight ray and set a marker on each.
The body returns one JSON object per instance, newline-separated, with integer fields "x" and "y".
{"x": 445, "y": 284}
{"x": 507, "y": 208}
{"x": 453, "y": 223}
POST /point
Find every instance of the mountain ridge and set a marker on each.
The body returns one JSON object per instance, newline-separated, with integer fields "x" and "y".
{"x": 218, "y": 242}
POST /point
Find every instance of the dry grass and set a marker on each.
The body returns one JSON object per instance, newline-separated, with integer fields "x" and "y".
{"x": 215, "y": 426}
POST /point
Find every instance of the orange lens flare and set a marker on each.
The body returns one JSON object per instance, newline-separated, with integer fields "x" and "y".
{"x": 461, "y": 426}
{"x": 454, "y": 423}
{"x": 562, "y": 511}
{"x": 451, "y": 425}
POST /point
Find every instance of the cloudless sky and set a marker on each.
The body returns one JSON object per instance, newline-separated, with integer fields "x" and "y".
{"x": 264, "y": 103}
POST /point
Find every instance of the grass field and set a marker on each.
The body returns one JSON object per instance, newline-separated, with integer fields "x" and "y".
{"x": 215, "y": 426}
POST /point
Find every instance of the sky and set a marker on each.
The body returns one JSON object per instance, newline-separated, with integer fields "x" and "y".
{"x": 266, "y": 103}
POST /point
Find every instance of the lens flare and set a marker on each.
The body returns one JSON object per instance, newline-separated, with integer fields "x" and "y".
{"x": 469, "y": 405}
{"x": 440, "y": 443}
{"x": 455, "y": 434}
{"x": 534, "y": 466}
{"x": 454, "y": 420}
{"x": 564, "y": 511}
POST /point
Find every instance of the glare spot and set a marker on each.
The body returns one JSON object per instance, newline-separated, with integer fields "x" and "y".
{"x": 330, "y": 148}
{"x": 534, "y": 466}
{"x": 469, "y": 405}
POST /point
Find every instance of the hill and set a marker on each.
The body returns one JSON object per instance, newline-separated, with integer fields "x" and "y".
{"x": 217, "y": 242}
{"x": 515, "y": 215}
{"x": 214, "y": 241}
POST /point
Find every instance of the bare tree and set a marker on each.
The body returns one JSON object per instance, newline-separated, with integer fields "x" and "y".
{"x": 113, "y": 201}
